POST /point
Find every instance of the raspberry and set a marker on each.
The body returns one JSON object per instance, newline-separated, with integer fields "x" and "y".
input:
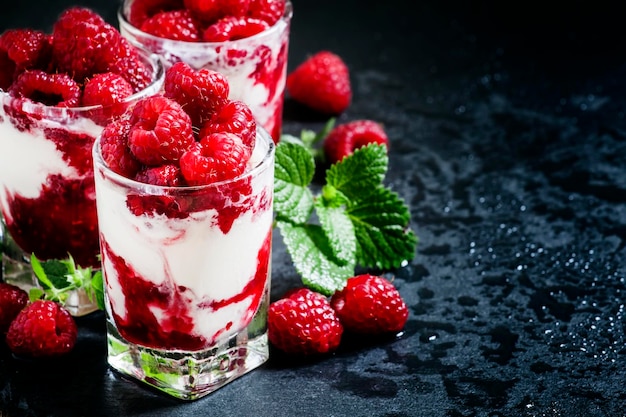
{"x": 130, "y": 66}
{"x": 344, "y": 139}
{"x": 217, "y": 157}
{"x": 231, "y": 28}
{"x": 371, "y": 305}
{"x": 304, "y": 323}
{"x": 160, "y": 132}
{"x": 83, "y": 43}
{"x": 166, "y": 175}
{"x": 50, "y": 89}
{"x": 200, "y": 92}
{"x": 177, "y": 25}
{"x": 212, "y": 10}
{"x": 22, "y": 49}
{"x": 269, "y": 10}
{"x": 106, "y": 89}
{"x": 42, "y": 329}
{"x": 140, "y": 10}
{"x": 234, "y": 117}
{"x": 12, "y": 300}
{"x": 322, "y": 82}
{"x": 114, "y": 148}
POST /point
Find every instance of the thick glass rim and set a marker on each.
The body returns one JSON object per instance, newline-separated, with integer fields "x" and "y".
{"x": 135, "y": 31}
{"x": 120, "y": 180}
{"x": 158, "y": 78}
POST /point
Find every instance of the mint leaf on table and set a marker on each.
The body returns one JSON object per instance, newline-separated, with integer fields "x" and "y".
{"x": 309, "y": 139}
{"x": 59, "y": 277}
{"x": 354, "y": 220}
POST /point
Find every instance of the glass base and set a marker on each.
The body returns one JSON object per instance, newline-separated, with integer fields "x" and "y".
{"x": 190, "y": 375}
{"x": 16, "y": 270}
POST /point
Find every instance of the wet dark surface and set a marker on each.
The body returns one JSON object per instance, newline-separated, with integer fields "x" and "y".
{"x": 509, "y": 145}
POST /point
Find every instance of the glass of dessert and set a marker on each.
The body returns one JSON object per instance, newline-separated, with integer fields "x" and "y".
{"x": 246, "y": 40}
{"x": 184, "y": 191}
{"x": 57, "y": 91}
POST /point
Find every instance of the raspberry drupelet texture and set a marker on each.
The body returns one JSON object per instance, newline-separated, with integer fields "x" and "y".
{"x": 177, "y": 25}
{"x": 344, "y": 139}
{"x": 322, "y": 83}
{"x": 304, "y": 323}
{"x": 234, "y": 117}
{"x": 20, "y": 50}
{"x": 42, "y": 329}
{"x": 269, "y": 10}
{"x": 115, "y": 150}
{"x": 370, "y": 304}
{"x": 50, "y": 89}
{"x": 12, "y": 300}
{"x": 232, "y": 28}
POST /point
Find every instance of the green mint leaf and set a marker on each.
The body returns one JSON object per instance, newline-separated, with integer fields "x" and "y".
{"x": 313, "y": 257}
{"x": 360, "y": 173}
{"x": 384, "y": 239}
{"x": 97, "y": 284}
{"x": 57, "y": 272}
{"x": 293, "y": 172}
{"x": 35, "y": 294}
{"x": 339, "y": 231}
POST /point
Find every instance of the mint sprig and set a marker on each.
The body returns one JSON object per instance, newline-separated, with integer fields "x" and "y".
{"x": 58, "y": 278}
{"x": 353, "y": 220}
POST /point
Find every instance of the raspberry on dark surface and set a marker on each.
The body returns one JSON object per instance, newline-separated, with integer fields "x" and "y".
{"x": 161, "y": 131}
{"x": 304, "y": 323}
{"x": 370, "y": 304}
{"x": 345, "y": 138}
{"x": 12, "y": 300}
{"x": 200, "y": 92}
{"x": 42, "y": 329}
{"x": 322, "y": 83}
{"x": 231, "y": 28}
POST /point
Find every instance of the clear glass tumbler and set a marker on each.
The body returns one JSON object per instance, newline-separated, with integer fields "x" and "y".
{"x": 256, "y": 66}
{"x": 47, "y": 195}
{"x": 187, "y": 275}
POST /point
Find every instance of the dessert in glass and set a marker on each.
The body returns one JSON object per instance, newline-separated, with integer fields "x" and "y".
{"x": 246, "y": 40}
{"x": 184, "y": 191}
{"x": 57, "y": 91}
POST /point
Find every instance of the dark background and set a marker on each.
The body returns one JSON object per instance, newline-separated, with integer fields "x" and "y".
{"x": 507, "y": 127}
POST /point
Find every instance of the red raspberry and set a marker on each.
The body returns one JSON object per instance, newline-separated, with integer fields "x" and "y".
{"x": 166, "y": 175}
{"x": 42, "y": 329}
{"x": 269, "y": 10}
{"x": 344, "y": 139}
{"x": 177, "y": 25}
{"x": 231, "y": 28}
{"x": 140, "y": 10}
{"x": 22, "y": 49}
{"x": 106, "y": 89}
{"x": 212, "y": 10}
{"x": 12, "y": 300}
{"x": 83, "y": 43}
{"x": 304, "y": 323}
{"x": 322, "y": 82}
{"x": 235, "y": 117}
{"x": 200, "y": 92}
{"x": 114, "y": 148}
{"x": 161, "y": 131}
{"x": 132, "y": 67}
{"x": 371, "y": 305}
{"x": 217, "y": 157}
{"x": 50, "y": 89}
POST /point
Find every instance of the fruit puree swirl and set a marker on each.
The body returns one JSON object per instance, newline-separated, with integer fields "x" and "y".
{"x": 185, "y": 191}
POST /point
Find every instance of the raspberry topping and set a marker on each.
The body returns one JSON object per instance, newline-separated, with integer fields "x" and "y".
{"x": 12, "y": 300}
{"x": 344, "y": 139}
{"x": 200, "y": 92}
{"x": 217, "y": 157}
{"x": 42, "y": 329}
{"x": 50, "y": 89}
{"x": 370, "y": 304}
{"x": 140, "y": 10}
{"x": 175, "y": 24}
{"x": 231, "y": 28}
{"x": 161, "y": 131}
{"x": 114, "y": 148}
{"x": 322, "y": 82}
{"x": 106, "y": 89}
{"x": 304, "y": 323}
{"x": 212, "y": 10}
{"x": 22, "y": 49}
{"x": 234, "y": 117}
{"x": 165, "y": 175}
{"x": 269, "y": 10}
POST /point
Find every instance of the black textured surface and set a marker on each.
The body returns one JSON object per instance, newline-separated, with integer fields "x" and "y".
{"x": 508, "y": 143}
